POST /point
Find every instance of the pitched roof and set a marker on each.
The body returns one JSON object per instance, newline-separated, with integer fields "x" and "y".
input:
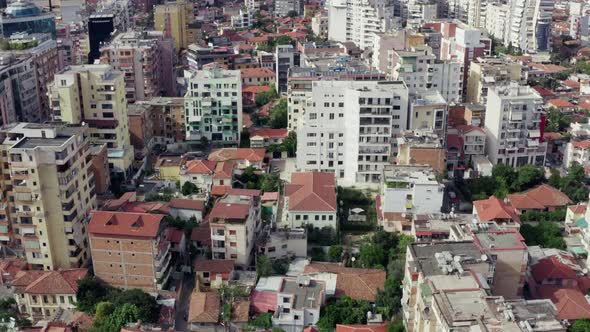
{"x": 312, "y": 191}
{"x": 187, "y": 204}
{"x": 263, "y": 301}
{"x": 199, "y": 166}
{"x": 255, "y": 88}
{"x": 204, "y": 307}
{"x": 244, "y": 192}
{"x": 237, "y": 154}
{"x": 577, "y": 209}
{"x": 585, "y": 144}
{"x": 495, "y": 208}
{"x": 569, "y": 302}
{"x": 524, "y": 202}
{"x": 361, "y": 328}
{"x": 229, "y": 211}
{"x": 219, "y": 190}
{"x": 360, "y": 284}
{"x": 543, "y": 92}
{"x": 548, "y": 196}
{"x": 201, "y": 233}
{"x": 50, "y": 282}
{"x": 560, "y": 103}
{"x": 214, "y": 265}
{"x": 257, "y": 72}
{"x": 125, "y": 223}
{"x": 174, "y": 235}
{"x": 464, "y": 129}
{"x": 224, "y": 170}
{"x": 554, "y": 267}
{"x": 270, "y": 133}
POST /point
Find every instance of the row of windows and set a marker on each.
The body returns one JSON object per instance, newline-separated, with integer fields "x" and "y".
{"x": 317, "y": 217}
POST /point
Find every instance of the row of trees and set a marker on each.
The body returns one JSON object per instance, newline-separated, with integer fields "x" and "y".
{"x": 267, "y": 182}
{"x": 546, "y": 234}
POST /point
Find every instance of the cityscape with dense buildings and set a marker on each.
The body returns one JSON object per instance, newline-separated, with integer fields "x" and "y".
{"x": 295, "y": 165}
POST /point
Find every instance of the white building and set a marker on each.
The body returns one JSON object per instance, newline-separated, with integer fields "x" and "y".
{"x": 213, "y": 105}
{"x": 319, "y": 24}
{"x": 513, "y": 126}
{"x": 310, "y": 199}
{"x": 357, "y": 20}
{"x": 252, "y": 5}
{"x": 411, "y": 189}
{"x": 422, "y": 72}
{"x": 348, "y": 128}
{"x": 243, "y": 20}
{"x": 283, "y": 7}
{"x": 529, "y": 24}
{"x": 497, "y": 18}
{"x": 284, "y": 244}
{"x": 577, "y": 151}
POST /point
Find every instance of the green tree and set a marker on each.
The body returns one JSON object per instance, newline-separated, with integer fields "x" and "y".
{"x": 290, "y": 144}
{"x": 528, "y": 176}
{"x": 145, "y": 303}
{"x": 573, "y": 183}
{"x": 263, "y": 266}
{"x": 398, "y": 326}
{"x": 90, "y": 293}
{"x": 343, "y": 311}
{"x": 335, "y": 253}
{"x": 555, "y": 179}
{"x": 189, "y": 188}
{"x": 282, "y": 40}
{"x": 389, "y": 299}
{"x": 546, "y": 234}
{"x": 279, "y": 115}
{"x": 581, "y": 325}
{"x": 556, "y": 121}
{"x": 270, "y": 183}
{"x": 264, "y": 321}
{"x": 371, "y": 255}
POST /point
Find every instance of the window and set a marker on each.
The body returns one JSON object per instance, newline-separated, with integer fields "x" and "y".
{"x": 286, "y": 300}
{"x": 272, "y": 249}
{"x": 331, "y": 116}
{"x": 62, "y": 299}
{"x": 296, "y": 317}
{"x": 233, "y": 244}
{"x": 233, "y": 256}
{"x": 313, "y": 116}
{"x": 205, "y": 274}
{"x": 232, "y": 232}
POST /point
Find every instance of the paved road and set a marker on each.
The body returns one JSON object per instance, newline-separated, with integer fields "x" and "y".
{"x": 188, "y": 284}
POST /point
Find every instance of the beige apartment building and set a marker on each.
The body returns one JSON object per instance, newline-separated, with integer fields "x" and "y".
{"x": 487, "y": 73}
{"x": 130, "y": 250}
{"x": 95, "y": 95}
{"x": 234, "y": 220}
{"x": 172, "y": 19}
{"x": 50, "y": 191}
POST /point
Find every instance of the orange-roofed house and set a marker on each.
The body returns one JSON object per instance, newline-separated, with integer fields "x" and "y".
{"x": 495, "y": 209}
{"x": 206, "y": 174}
{"x": 562, "y": 105}
{"x": 265, "y": 137}
{"x": 130, "y": 250}
{"x": 541, "y": 198}
{"x": 575, "y": 218}
{"x": 249, "y": 93}
{"x": 243, "y": 157}
{"x": 257, "y": 76}
{"x": 361, "y": 328}
{"x": 233, "y": 221}
{"x": 203, "y": 312}
{"x": 310, "y": 199}
{"x": 41, "y": 294}
{"x": 577, "y": 151}
{"x": 214, "y": 273}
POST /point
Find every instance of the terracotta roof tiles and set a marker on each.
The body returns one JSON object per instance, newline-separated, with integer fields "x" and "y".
{"x": 214, "y": 265}
{"x": 494, "y": 208}
{"x": 312, "y": 191}
{"x": 125, "y": 224}
{"x": 359, "y": 284}
{"x": 50, "y": 282}
{"x": 187, "y": 204}
{"x": 204, "y": 307}
{"x": 249, "y": 154}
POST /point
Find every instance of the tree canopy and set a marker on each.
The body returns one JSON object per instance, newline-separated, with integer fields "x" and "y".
{"x": 546, "y": 234}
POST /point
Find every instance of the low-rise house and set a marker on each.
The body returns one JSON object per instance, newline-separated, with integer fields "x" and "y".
{"x": 562, "y": 105}
{"x": 257, "y": 76}
{"x": 293, "y": 301}
{"x": 577, "y": 151}
{"x": 233, "y": 221}
{"x": 249, "y": 93}
{"x": 361, "y": 328}
{"x": 177, "y": 240}
{"x": 203, "y": 313}
{"x": 265, "y": 137}
{"x": 310, "y": 199}
{"x": 214, "y": 273}
{"x": 130, "y": 250}
{"x": 9, "y": 268}
{"x": 356, "y": 283}
{"x": 40, "y": 295}
{"x": 198, "y": 172}
{"x": 283, "y": 243}
{"x": 541, "y": 198}
{"x": 168, "y": 167}
{"x": 575, "y": 218}
{"x": 244, "y": 157}
{"x": 187, "y": 208}
{"x": 495, "y": 209}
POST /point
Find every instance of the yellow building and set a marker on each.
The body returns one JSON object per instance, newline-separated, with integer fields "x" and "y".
{"x": 51, "y": 192}
{"x": 168, "y": 167}
{"x": 95, "y": 95}
{"x": 172, "y": 18}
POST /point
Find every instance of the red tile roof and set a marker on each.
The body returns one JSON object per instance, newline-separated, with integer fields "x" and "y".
{"x": 174, "y": 235}
{"x": 263, "y": 301}
{"x": 201, "y": 233}
{"x": 359, "y": 284}
{"x": 9, "y": 267}
{"x": 257, "y": 72}
{"x": 214, "y": 265}
{"x": 146, "y": 207}
{"x": 270, "y": 196}
{"x": 581, "y": 144}
{"x": 571, "y": 84}
{"x": 187, "y": 204}
{"x": 361, "y": 328}
{"x": 559, "y": 103}
{"x": 464, "y": 129}
{"x": 577, "y": 209}
{"x": 204, "y": 307}
{"x": 219, "y": 190}
{"x": 554, "y": 267}
{"x": 244, "y": 192}
{"x": 569, "y": 302}
{"x": 249, "y": 154}
{"x": 524, "y": 202}
{"x": 495, "y": 208}
{"x": 50, "y": 282}
{"x": 125, "y": 224}
{"x": 270, "y": 133}
{"x": 543, "y": 92}
{"x": 548, "y": 196}
{"x": 200, "y": 166}
{"x": 312, "y": 191}
{"x": 585, "y": 106}
{"x": 224, "y": 170}
{"x": 255, "y": 88}
{"x": 454, "y": 141}
{"x": 552, "y": 136}
{"x": 229, "y": 211}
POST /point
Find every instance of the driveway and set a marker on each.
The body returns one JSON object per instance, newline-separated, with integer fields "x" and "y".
{"x": 188, "y": 284}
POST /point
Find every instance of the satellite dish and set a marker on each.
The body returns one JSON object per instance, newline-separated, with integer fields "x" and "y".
{"x": 484, "y": 257}
{"x": 457, "y": 258}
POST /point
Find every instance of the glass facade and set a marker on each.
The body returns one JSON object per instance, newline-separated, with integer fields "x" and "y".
{"x": 35, "y": 24}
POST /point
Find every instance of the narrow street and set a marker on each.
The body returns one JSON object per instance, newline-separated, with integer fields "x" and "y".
{"x": 182, "y": 305}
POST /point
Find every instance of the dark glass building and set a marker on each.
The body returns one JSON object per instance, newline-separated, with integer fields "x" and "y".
{"x": 22, "y": 16}
{"x": 100, "y": 27}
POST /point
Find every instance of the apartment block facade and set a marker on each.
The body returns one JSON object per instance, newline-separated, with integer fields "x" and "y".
{"x": 514, "y": 125}
{"x": 147, "y": 59}
{"x": 50, "y": 191}
{"x": 349, "y": 126}
{"x": 213, "y": 106}
{"x": 487, "y": 73}
{"x": 234, "y": 220}
{"x": 130, "y": 250}
{"x": 95, "y": 95}
{"x": 172, "y": 19}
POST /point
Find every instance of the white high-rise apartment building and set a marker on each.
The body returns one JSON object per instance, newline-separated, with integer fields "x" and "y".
{"x": 497, "y": 18}
{"x": 213, "y": 106}
{"x": 422, "y": 72}
{"x": 349, "y": 127}
{"x": 530, "y": 24}
{"x": 513, "y": 126}
{"x": 357, "y": 20}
